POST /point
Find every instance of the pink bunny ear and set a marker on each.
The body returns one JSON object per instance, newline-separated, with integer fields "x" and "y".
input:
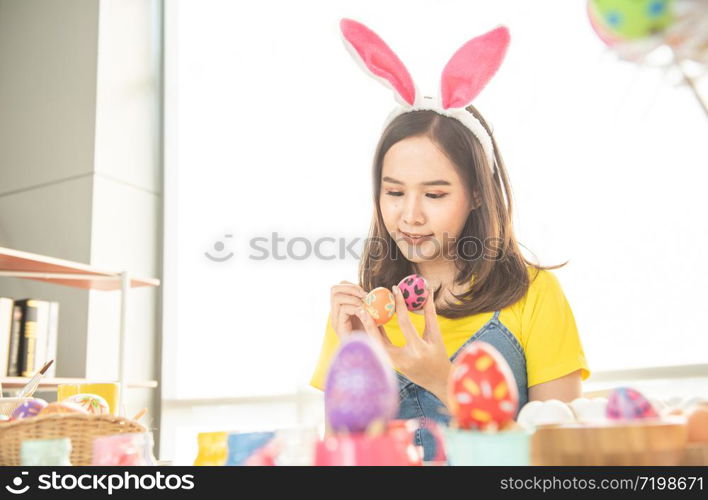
{"x": 471, "y": 67}
{"x": 369, "y": 50}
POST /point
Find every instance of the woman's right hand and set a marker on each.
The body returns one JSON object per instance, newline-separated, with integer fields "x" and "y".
{"x": 345, "y": 301}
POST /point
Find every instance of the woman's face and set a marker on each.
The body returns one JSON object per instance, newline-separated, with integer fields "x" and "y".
{"x": 422, "y": 196}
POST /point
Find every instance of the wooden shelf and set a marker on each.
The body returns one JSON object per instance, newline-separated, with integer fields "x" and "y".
{"x": 49, "y": 383}
{"x": 18, "y": 264}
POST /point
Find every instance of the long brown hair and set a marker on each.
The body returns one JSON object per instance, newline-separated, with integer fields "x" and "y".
{"x": 496, "y": 282}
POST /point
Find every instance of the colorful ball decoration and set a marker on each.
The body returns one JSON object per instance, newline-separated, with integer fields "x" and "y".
{"x": 29, "y": 408}
{"x": 60, "y": 407}
{"x": 380, "y": 304}
{"x": 415, "y": 291}
{"x": 482, "y": 389}
{"x": 625, "y": 403}
{"x": 93, "y": 404}
{"x": 600, "y": 30}
{"x": 632, "y": 19}
{"x": 361, "y": 387}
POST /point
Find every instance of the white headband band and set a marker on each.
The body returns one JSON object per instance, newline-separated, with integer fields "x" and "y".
{"x": 459, "y": 114}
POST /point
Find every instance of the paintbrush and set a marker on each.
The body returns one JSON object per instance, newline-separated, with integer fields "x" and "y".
{"x": 32, "y": 385}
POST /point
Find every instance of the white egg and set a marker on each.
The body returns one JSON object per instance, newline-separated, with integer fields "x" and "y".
{"x": 589, "y": 409}
{"x": 527, "y": 415}
{"x": 553, "y": 412}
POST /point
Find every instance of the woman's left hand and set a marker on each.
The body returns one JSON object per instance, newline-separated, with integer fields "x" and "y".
{"x": 423, "y": 360}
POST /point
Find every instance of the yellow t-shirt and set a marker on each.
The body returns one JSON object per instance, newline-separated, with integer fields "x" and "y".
{"x": 541, "y": 321}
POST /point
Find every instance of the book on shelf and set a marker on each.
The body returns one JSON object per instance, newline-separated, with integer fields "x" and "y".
{"x": 28, "y": 336}
{"x": 52, "y": 339}
{"x": 32, "y": 338}
{"x": 13, "y": 363}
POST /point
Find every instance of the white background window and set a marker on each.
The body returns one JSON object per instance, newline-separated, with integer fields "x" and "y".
{"x": 271, "y": 128}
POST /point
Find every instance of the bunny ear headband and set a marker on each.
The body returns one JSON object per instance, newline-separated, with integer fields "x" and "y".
{"x": 463, "y": 78}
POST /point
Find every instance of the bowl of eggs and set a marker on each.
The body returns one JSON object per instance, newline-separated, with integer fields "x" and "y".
{"x": 625, "y": 429}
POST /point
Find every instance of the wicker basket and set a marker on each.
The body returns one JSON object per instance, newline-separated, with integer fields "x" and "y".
{"x": 8, "y": 405}
{"x": 650, "y": 442}
{"x": 80, "y": 428}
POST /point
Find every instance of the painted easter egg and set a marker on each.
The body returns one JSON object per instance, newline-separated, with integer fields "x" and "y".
{"x": 380, "y": 304}
{"x": 415, "y": 291}
{"x": 61, "y": 407}
{"x": 29, "y": 408}
{"x": 4, "y": 418}
{"x": 629, "y": 404}
{"x": 92, "y": 403}
{"x": 635, "y": 19}
{"x": 361, "y": 387}
{"x": 481, "y": 389}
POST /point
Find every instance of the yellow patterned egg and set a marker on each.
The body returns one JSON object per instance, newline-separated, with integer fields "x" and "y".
{"x": 380, "y": 304}
{"x": 91, "y": 403}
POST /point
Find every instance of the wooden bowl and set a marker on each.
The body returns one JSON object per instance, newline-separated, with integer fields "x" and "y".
{"x": 696, "y": 454}
{"x": 629, "y": 442}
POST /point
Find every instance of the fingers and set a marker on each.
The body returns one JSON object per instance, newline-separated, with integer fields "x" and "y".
{"x": 404, "y": 321}
{"x": 378, "y": 334}
{"x": 346, "y": 321}
{"x": 347, "y": 288}
{"x": 345, "y": 293}
{"x": 341, "y": 299}
{"x": 371, "y": 328}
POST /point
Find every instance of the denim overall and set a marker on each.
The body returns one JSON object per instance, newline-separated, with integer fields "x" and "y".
{"x": 416, "y": 402}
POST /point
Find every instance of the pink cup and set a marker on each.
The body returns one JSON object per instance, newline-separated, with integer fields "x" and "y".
{"x": 393, "y": 447}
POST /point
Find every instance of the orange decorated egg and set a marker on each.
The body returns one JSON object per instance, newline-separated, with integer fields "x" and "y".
{"x": 61, "y": 407}
{"x": 482, "y": 390}
{"x": 380, "y": 304}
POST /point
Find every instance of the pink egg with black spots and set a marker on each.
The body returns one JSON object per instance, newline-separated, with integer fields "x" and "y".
{"x": 415, "y": 291}
{"x": 361, "y": 387}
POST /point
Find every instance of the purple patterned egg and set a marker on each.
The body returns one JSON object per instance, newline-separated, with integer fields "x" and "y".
{"x": 415, "y": 291}
{"x": 625, "y": 403}
{"x": 29, "y": 408}
{"x": 361, "y": 387}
